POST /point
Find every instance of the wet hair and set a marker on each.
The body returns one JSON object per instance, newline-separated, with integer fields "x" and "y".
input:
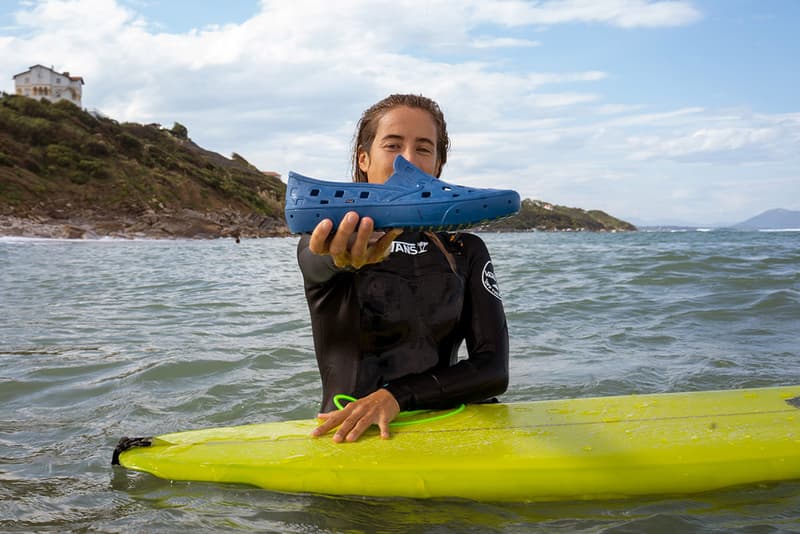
{"x": 368, "y": 126}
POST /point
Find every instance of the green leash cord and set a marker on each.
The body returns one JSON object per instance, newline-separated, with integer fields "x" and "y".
{"x": 402, "y": 415}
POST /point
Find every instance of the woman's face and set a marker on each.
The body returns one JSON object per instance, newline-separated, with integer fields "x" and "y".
{"x": 410, "y": 132}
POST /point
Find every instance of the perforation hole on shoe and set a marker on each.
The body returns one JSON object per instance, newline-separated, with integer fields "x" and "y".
{"x": 348, "y": 201}
{"x": 426, "y": 194}
{"x": 314, "y": 192}
{"x": 323, "y": 201}
{"x": 339, "y": 194}
{"x": 364, "y": 194}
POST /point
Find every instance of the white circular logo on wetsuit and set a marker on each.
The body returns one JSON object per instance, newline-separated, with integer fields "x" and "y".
{"x": 489, "y": 280}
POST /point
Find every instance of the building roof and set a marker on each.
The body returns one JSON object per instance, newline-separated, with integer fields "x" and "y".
{"x": 31, "y": 68}
{"x": 65, "y": 73}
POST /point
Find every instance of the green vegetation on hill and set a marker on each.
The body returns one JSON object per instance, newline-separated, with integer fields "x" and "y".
{"x": 57, "y": 160}
{"x": 538, "y": 215}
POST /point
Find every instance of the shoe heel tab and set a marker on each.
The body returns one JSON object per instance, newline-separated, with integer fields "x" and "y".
{"x": 401, "y": 164}
{"x": 405, "y": 167}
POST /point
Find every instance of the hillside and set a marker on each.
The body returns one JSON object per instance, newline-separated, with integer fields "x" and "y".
{"x": 775, "y": 219}
{"x": 67, "y": 173}
{"x": 538, "y": 215}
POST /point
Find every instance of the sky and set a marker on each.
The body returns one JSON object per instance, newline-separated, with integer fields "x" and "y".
{"x": 657, "y": 112}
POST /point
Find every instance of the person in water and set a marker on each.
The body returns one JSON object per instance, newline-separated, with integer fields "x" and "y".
{"x": 389, "y": 310}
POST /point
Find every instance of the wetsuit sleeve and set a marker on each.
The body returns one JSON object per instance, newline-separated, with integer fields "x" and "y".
{"x": 485, "y": 372}
{"x": 316, "y": 269}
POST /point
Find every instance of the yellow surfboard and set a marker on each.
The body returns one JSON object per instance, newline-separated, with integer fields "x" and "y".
{"x": 603, "y": 447}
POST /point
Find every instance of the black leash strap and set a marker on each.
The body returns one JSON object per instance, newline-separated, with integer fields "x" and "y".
{"x": 128, "y": 443}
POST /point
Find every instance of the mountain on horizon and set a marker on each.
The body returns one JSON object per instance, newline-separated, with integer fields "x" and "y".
{"x": 774, "y": 219}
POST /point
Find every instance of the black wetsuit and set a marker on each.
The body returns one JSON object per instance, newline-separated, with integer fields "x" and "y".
{"x": 398, "y": 324}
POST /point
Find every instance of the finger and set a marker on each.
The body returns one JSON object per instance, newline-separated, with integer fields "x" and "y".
{"x": 360, "y": 427}
{"x": 319, "y": 237}
{"x": 321, "y": 430}
{"x": 344, "y": 429}
{"x": 342, "y": 238}
{"x": 358, "y": 252}
{"x": 383, "y": 425}
{"x": 381, "y": 248}
{"x": 330, "y": 421}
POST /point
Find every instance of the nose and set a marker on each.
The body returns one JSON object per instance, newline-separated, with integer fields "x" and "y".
{"x": 411, "y": 155}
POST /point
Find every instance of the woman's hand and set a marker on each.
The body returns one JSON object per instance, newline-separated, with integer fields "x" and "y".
{"x": 350, "y": 247}
{"x": 378, "y": 408}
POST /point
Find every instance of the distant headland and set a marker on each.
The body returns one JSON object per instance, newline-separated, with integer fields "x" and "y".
{"x": 69, "y": 173}
{"x": 774, "y": 219}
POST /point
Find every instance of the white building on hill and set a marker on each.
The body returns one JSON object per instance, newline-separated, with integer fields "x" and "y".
{"x": 42, "y": 82}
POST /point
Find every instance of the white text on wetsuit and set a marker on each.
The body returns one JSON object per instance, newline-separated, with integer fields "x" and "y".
{"x": 412, "y": 249}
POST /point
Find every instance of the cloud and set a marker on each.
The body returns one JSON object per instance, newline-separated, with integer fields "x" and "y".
{"x": 703, "y": 141}
{"x": 615, "y": 109}
{"x": 622, "y": 13}
{"x": 716, "y": 137}
{"x": 101, "y": 17}
{"x": 677, "y": 116}
{"x": 504, "y": 42}
{"x": 543, "y": 100}
{"x": 285, "y": 88}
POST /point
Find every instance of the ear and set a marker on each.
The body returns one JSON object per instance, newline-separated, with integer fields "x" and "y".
{"x": 363, "y": 161}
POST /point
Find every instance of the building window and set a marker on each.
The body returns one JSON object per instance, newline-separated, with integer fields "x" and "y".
{"x": 58, "y": 80}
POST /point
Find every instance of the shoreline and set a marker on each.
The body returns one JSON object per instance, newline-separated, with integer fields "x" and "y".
{"x": 186, "y": 224}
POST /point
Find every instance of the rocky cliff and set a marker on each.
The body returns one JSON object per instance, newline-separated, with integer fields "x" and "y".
{"x": 67, "y": 173}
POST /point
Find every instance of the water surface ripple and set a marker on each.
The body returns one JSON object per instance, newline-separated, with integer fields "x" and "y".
{"x": 101, "y": 339}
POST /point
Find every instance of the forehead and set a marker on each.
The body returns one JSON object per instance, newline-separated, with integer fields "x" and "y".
{"x": 407, "y": 122}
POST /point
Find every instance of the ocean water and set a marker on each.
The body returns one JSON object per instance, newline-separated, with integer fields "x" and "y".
{"x": 100, "y": 339}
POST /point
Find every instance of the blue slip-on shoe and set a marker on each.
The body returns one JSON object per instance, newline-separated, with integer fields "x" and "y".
{"x": 410, "y": 199}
